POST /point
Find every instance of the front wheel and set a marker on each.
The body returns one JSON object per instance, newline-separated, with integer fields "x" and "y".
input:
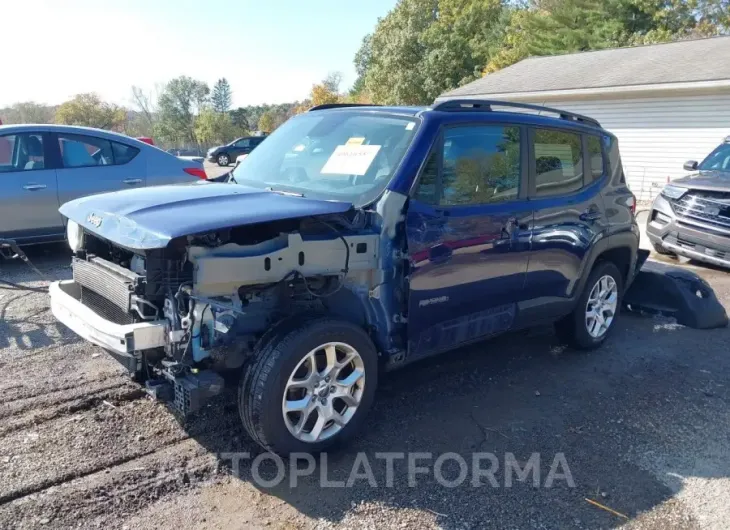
{"x": 309, "y": 387}
{"x": 223, "y": 159}
{"x": 595, "y": 314}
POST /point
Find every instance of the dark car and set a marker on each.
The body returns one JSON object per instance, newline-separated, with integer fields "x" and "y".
{"x": 223, "y": 155}
{"x": 691, "y": 215}
{"x": 354, "y": 240}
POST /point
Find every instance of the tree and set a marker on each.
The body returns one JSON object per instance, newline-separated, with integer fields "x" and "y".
{"x": 267, "y": 122}
{"x": 548, "y": 27}
{"x": 222, "y": 94}
{"x": 28, "y": 112}
{"x": 213, "y": 127}
{"x": 90, "y": 111}
{"x": 143, "y": 122}
{"x": 239, "y": 119}
{"x": 363, "y": 57}
{"x": 424, "y": 47}
{"x": 181, "y": 100}
{"x": 328, "y": 91}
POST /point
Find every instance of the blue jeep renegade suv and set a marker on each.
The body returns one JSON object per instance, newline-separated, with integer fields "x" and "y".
{"x": 354, "y": 239}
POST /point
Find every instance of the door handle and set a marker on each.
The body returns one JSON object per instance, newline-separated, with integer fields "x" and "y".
{"x": 132, "y": 182}
{"x": 590, "y": 215}
{"x": 34, "y": 187}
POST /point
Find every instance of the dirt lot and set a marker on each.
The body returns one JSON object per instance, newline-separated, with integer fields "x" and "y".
{"x": 644, "y": 424}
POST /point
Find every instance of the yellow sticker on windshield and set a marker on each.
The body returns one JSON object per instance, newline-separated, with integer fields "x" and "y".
{"x": 356, "y": 140}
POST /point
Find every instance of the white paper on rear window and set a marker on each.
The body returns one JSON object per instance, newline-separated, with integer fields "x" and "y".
{"x": 350, "y": 160}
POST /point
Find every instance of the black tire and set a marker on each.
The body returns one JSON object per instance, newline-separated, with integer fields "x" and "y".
{"x": 572, "y": 329}
{"x": 223, "y": 159}
{"x": 262, "y": 384}
{"x": 659, "y": 249}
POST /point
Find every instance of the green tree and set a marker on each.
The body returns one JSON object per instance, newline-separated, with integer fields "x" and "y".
{"x": 267, "y": 121}
{"x": 213, "y": 127}
{"x": 548, "y": 27}
{"x": 181, "y": 100}
{"x": 423, "y": 47}
{"x": 89, "y": 110}
{"x": 222, "y": 96}
{"x": 239, "y": 118}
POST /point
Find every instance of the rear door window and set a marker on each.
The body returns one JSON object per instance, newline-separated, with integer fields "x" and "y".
{"x": 85, "y": 151}
{"x": 558, "y": 162}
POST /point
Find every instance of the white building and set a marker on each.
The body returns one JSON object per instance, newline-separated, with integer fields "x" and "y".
{"x": 666, "y": 103}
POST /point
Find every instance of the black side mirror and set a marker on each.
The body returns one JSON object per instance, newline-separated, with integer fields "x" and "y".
{"x": 690, "y": 165}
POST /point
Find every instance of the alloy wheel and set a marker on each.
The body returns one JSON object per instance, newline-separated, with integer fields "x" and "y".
{"x": 323, "y": 392}
{"x": 601, "y": 306}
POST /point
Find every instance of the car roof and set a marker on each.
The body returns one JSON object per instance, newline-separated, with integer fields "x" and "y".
{"x": 71, "y": 129}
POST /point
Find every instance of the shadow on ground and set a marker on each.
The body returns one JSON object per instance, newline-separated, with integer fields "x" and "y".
{"x": 631, "y": 419}
{"x": 25, "y": 319}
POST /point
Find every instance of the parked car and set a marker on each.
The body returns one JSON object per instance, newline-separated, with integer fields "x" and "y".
{"x": 691, "y": 215}
{"x": 44, "y": 166}
{"x": 354, "y": 240}
{"x": 224, "y": 154}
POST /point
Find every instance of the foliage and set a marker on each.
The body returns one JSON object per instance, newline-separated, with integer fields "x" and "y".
{"x": 28, "y": 112}
{"x": 222, "y": 96}
{"x": 240, "y": 119}
{"x": 267, "y": 122}
{"x": 89, "y": 110}
{"x": 181, "y": 100}
{"x": 212, "y": 127}
{"x": 423, "y": 48}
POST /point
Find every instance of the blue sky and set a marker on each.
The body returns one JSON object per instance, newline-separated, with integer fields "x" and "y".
{"x": 271, "y": 51}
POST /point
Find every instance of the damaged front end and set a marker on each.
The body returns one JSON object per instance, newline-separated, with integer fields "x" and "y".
{"x": 180, "y": 317}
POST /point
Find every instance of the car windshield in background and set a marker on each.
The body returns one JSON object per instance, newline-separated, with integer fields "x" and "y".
{"x": 718, "y": 160}
{"x": 343, "y": 155}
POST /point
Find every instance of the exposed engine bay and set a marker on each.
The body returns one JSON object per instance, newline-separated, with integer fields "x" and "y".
{"x": 219, "y": 293}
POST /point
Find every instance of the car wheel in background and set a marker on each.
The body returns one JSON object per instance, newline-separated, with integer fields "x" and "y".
{"x": 309, "y": 387}
{"x": 595, "y": 314}
{"x": 224, "y": 159}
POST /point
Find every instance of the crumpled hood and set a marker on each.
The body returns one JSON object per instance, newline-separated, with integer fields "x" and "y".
{"x": 705, "y": 180}
{"x": 147, "y": 218}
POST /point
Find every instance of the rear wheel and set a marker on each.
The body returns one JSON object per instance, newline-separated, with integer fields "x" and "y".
{"x": 595, "y": 314}
{"x": 224, "y": 159}
{"x": 309, "y": 387}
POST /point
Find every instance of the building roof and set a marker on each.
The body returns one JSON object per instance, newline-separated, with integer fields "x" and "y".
{"x": 689, "y": 61}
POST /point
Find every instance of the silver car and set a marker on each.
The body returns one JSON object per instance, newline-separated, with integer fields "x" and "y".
{"x": 44, "y": 166}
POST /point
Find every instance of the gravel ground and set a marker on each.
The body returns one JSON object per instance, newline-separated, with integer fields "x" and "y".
{"x": 643, "y": 423}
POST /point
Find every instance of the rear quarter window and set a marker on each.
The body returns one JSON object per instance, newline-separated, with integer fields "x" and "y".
{"x": 123, "y": 153}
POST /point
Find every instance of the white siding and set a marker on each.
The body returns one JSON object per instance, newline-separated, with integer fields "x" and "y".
{"x": 657, "y": 135}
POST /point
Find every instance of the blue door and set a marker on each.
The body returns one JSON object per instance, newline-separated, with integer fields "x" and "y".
{"x": 567, "y": 173}
{"x": 468, "y": 231}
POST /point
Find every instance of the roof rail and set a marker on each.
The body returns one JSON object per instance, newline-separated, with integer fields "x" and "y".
{"x": 340, "y": 105}
{"x": 486, "y": 105}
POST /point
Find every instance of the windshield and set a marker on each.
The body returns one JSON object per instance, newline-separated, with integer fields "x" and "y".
{"x": 343, "y": 155}
{"x": 718, "y": 160}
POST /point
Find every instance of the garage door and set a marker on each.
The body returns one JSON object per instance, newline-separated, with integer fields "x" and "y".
{"x": 657, "y": 135}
